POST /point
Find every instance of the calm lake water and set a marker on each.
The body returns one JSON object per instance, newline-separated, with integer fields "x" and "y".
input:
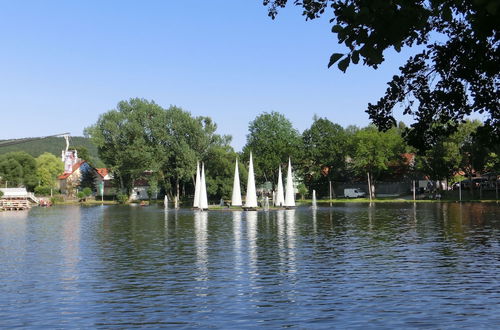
{"x": 349, "y": 266}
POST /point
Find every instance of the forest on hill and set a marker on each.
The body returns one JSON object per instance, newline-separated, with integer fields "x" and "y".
{"x": 53, "y": 145}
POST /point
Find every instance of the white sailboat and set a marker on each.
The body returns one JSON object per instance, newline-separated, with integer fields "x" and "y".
{"x": 196, "y": 200}
{"x": 314, "y": 205}
{"x": 236, "y": 198}
{"x": 289, "y": 192}
{"x": 165, "y": 202}
{"x": 280, "y": 198}
{"x": 203, "y": 202}
{"x": 251, "y": 198}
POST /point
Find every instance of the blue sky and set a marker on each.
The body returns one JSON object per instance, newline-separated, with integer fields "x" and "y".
{"x": 62, "y": 63}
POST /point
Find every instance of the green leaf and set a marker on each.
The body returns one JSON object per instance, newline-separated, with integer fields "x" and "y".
{"x": 334, "y": 58}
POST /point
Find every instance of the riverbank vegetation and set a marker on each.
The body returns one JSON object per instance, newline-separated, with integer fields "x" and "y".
{"x": 141, "y": 137}
{"x": 140, "y": 140}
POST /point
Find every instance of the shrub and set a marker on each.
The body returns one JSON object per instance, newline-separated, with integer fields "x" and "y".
{"x": 81, "y": 196}
{"x": 122, "y": 198}
{"x": 87, "y": 191}
{"x": 42, "y": 190}
{"x": 57, "y": 199}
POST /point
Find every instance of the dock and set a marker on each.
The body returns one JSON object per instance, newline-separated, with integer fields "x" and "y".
{"x": 17, "y": 199}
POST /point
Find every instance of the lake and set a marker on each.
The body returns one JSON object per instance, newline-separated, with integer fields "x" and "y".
{"x": 389, "y": 265}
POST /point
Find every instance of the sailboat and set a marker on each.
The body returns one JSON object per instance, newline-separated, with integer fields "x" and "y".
{"x": 236, "y": 198}
{"x": 289, "y": 192}
{"x": 251, "y": 198}
{"x": 314, "y": 205}
{"x": 165, "y": 202}
{"x": 203, "y": 202}
{"x": 196, "y": 200}
{"x": 280, "y": 198}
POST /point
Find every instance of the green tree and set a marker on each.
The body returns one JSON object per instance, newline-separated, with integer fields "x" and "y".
{"x": 271, "y": 139}
{"x": 140, "y": 139}
{"x": 19, "y": 168}
{"x": 124, "y": 139}
{"x": 455, "y": 74}
{"x": 442, "y": 161}
{"x": 11, "y": 172}
{"x": 325, "y": 152}
{"x": 220, "y": 171}
{"x": 48, "y": 167}
{"x": 372, "y": 151}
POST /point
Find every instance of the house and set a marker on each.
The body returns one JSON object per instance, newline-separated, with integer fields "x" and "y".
{"x": 103, "y": 180}
{"x": 70, "y": 180}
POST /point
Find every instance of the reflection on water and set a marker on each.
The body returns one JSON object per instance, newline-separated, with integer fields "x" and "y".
{"x": 251, "y": 218}
{"x": 352, "y": 265}
{"x": 200, "y": 225}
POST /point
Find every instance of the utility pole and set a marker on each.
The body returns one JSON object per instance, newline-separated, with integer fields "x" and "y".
{"x": 414, "y": 192}
{"x": 330, "y": 191}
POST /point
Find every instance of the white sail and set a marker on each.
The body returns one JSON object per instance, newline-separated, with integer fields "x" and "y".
{"x": 280, "y": 198}
{"x": 165, "y": 202}
{"x": 196, "y": 200}
{"x": 289, "y": 192}
{"x": 236, "y": 198}
{"x": 203, "y": 203}
{"x": 251, "y": 199}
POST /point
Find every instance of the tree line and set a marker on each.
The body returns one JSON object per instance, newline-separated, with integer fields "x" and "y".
{"x": 140, "y": 139}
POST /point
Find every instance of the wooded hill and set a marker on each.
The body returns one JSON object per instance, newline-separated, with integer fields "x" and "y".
{"x": 53, "y": 145}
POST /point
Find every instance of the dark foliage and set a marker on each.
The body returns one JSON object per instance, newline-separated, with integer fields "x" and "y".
{"x": 456, "y": 74}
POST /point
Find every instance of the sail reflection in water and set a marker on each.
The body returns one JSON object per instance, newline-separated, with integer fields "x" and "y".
{"x": 200, "y": 225}
{"x": 280, "y": 223}
{"x": 237, "y": 242}
{"x": 290, "y": 233}
{"x": 397, "y": 265}
{"x": 251, "y": 217}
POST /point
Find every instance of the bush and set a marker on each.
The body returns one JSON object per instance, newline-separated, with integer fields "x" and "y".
{"x": 302, "y": 190}
{"x": 122, "y": 198}
{"x": 42, "y": 190}
{"x": 81, "y": 196}
{"x": 87, "y": 191}
{"x": 57, "y": 199}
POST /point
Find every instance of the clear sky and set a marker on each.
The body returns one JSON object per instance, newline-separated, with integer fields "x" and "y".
{"x": 62, "y": 63}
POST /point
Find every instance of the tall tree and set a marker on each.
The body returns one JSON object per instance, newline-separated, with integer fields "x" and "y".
{"x": 123, "y": 138}
{"x": 48, "y": 167}
{"x": 372, "y": 151}
{"x": 140, "y": 139}
{"x": 325, "y": 152}
{"x": 271, "y": 139}
{"x": 19, "y": 168}
{"x": 457, "y": 72}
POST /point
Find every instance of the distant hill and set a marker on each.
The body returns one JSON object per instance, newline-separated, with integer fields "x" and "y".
{"x": 54, "y": 145}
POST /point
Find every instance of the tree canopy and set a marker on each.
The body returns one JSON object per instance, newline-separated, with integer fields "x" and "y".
{"x": 325, "y": 152}
{"x": 19, "y": 169}
{"x": 455, "y": 73}
{"x": 48, "y": 167}
{"x": 272, "y": 139}
{"x": 140, "y": 139}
